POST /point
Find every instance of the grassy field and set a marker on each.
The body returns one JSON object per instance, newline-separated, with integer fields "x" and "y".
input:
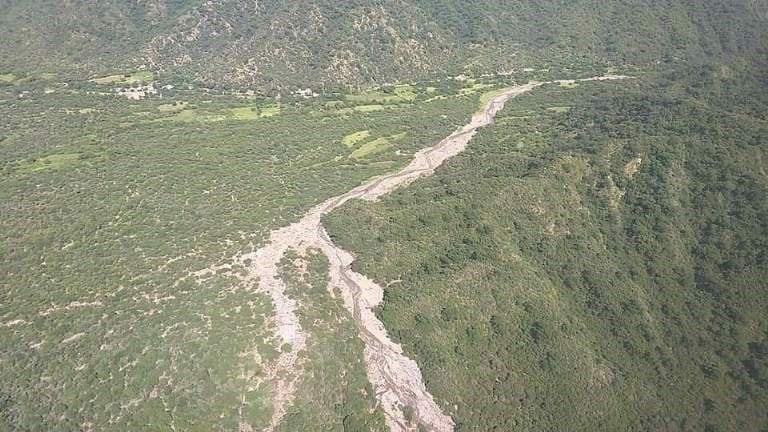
{"x": 7, "y": 78}
{"x": 128, "y": 78}
{"x": 355, "y": 137}
{"x": 395, "y": 94}
{"x": 377, "y": 145}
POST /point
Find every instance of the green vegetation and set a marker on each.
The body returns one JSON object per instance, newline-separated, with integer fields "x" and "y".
{"x": 269, "y": 111}
{"x": 131, "y": 78}
{"x": 180, "y": 106}
{"x": 234, "y": 44}
{"x": 105, "y": 214}
{"x": 7, "y": 78}
{"x": 195, "y": 115}
{"x": 355, "y": 137}
{"x": 50, "y": 162}
{"x": 186, "y": 113}
{"x": 396, "y": 94}
{"x": 596, "y": 260}
{"x": 245, "y": 113}
{"x": 487, "y": 96}
{"x": 599, "y": 268}
{"x": 474, "y": 87}
{"x": 369, "y": 108}
{"x": 377, "y": 145}
{"x": 334, "y": 393}
{"x": 559, "y": 109}
{"x": 570, "y": 84}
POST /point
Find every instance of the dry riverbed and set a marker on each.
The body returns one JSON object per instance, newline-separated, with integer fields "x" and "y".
{"x": 396, "y": 379}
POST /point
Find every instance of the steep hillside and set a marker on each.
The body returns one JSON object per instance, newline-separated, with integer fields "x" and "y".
{"x": 275, "y": 45}
{"x": 595, "y": 261}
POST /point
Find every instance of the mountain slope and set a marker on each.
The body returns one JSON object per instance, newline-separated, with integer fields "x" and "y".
{"x": 277, "y": 44}
{"x": 595, "y": 261}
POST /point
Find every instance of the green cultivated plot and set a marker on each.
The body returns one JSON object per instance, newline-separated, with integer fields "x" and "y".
{"x": 7, "y": 78}
{"x": 130, "y": 78}
{"x": 377, "y": 145}
{"x": 402, "y": 93}
{"x": 177, "y": 106}
{"x": 50, "y": 162}
{"x": 487, "y": 96}
{"x": 245, "y": 113}
{"x": 352, "y": 139}
{"x": 269, "y": 111}
{"x": 369, "y": 108}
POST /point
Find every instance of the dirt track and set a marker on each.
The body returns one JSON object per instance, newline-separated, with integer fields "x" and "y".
{"x": 396, "y": 379}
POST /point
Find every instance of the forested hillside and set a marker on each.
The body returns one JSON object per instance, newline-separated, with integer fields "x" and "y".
{"x": 595, "y": 261}
{"x": 278, "y": 45}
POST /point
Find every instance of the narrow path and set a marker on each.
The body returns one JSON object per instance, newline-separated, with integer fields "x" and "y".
{"x": 396, "y": 379}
